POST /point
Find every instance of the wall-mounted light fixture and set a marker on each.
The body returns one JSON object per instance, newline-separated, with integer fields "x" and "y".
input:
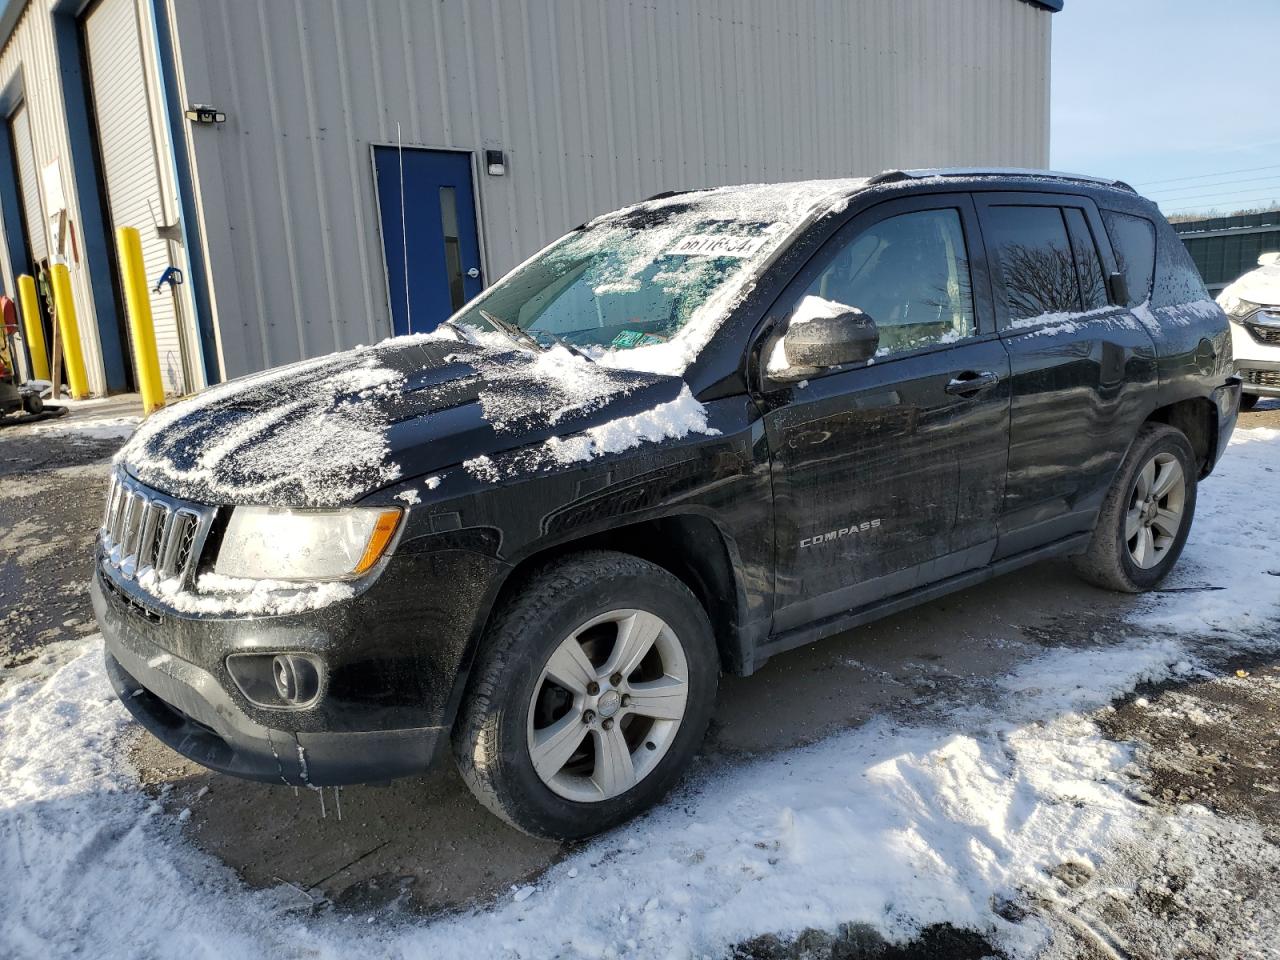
{"x": 496, "y": 163}
{"x": 203, "y": 113}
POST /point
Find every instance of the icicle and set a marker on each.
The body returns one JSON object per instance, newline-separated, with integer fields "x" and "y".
{"x": 323, "y": 814}
{"x": 337, "y": 801}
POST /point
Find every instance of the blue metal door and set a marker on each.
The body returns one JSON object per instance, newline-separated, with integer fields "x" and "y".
{"x": 428, "y": 214}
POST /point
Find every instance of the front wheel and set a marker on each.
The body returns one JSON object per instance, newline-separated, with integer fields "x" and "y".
{"x": 1145, "y": 518}
{"x": 590, "y": 696}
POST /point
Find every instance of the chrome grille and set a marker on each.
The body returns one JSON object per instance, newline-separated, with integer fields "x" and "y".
{"x": 1265, "y": 334}
{"x": 1262, "y": 378}
{"x": 143, "y": 530}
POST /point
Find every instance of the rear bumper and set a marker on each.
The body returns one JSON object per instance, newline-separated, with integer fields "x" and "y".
{"x": 187, "y": 709}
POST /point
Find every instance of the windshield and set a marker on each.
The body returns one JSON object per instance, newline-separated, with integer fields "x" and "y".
{"x": 643, "y": 276}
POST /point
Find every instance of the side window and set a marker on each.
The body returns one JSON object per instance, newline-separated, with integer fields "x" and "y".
{"x": 1093, "y": 289}
{"x": 910, "y": 274}
{"x": 1035, "y": 259}
{"x": 1134, "y": 241}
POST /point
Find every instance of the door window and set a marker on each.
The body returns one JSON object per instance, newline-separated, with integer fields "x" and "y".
{"x": 910, "y": 274}
{"x": 1036, "y": 262}
{"x": 1093, "y": 290}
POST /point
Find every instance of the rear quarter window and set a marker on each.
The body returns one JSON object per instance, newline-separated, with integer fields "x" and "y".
{"x": 1177, "y": 280}
{"x": 1134, "y": 241}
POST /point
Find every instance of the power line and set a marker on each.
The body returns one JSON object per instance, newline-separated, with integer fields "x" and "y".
{"x": 1272, "y": 200}
{"x": 1219, "y": 193}
{"x": 1206, "y": 176}
{"x": 1208, "y": 186}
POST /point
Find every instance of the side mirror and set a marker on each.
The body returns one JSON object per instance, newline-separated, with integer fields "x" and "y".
{"x": 829, "y": 336}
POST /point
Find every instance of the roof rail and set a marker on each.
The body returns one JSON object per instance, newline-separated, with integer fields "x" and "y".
{"x": 897, "y": 176}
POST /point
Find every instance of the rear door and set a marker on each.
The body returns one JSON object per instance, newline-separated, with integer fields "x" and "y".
{"x": 1082, "y": 367}
{"x": 890, "y": 474}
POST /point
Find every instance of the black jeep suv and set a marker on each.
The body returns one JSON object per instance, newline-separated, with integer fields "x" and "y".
{"x": 689, "y": 435}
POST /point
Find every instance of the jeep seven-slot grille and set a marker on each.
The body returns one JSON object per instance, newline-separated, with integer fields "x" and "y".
{"x": 143, "y": 530}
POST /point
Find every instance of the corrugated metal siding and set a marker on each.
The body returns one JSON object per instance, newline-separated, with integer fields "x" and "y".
{"x": 129, "y": 160}
{"x": 29, "y": 184}
{"x": 596, "y": 104}
{"x": 30, "y": 51}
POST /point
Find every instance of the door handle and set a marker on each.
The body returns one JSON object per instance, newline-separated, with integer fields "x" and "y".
{"x": 970, "y": 382}
{"x": 473, "y": 272}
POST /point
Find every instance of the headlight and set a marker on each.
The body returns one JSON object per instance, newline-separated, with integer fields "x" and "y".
{"x": 1238, "y": 309}
{"x": 265, "y": 543}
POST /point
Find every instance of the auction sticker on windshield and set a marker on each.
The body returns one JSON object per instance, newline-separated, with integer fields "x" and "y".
{"x": 716, "y": 245}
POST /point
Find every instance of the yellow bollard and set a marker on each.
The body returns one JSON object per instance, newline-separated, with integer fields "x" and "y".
{"x": 141, "y": 327}
{"x": 69, "y": 330}
{"x": 29, "y": 301}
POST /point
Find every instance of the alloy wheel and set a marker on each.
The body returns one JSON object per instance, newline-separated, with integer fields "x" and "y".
{"x": 1156, "y": 506}
{"x": 607, "y": 705}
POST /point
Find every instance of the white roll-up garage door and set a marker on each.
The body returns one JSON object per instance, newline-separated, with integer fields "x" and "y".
{"x": 28, "y": 186}
{"x": 130, "y": 164}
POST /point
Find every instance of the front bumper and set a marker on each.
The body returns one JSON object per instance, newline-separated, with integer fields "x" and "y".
{"x": 188, "y": 709}
{"x": 1260, "y": 377}
{"x": 1256, "y": 362}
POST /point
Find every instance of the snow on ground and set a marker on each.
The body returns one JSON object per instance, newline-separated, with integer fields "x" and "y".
{"x": 89, "y": 428}
{"x": 892, "y": 825}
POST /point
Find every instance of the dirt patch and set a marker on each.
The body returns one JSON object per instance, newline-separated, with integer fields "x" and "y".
{"x": 856, "y": 941}
{"x": 1201, "y": 883}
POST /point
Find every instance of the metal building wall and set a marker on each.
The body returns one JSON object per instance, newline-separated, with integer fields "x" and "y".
{"x": 29, "y": 60}
{"x": 596, "y": 102}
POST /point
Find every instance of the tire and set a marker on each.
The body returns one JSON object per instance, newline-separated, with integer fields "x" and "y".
{"x": 1248, "y": 401}
{"x": 514, "y": 705}
{"x": 33, "y": 404}
{"x": 1133, "y": 563}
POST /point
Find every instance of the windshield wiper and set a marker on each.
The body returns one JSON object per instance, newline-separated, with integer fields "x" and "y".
{"x": 572, "y": 348}
{"x": 511, "y": 331}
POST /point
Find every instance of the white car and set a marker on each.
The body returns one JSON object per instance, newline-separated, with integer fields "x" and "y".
{"x": 1253, "y": 304}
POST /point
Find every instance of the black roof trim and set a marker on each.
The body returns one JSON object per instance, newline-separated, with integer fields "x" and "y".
{"x": 897, "y": 176}
{"x": 1053, "y": 6}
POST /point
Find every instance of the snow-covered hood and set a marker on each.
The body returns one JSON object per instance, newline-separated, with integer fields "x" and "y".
{"x": 1261, "y": 286}
{"x": 329, "y": 431}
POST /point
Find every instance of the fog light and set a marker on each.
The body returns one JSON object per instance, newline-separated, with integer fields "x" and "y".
{"x": 277, "y": 680}
{"x": 297, "y": 680}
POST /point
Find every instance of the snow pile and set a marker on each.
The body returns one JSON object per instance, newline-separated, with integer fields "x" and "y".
{"x": 897, "y": 826}
{"x": 88, "y": 428}
{"x": 217, "y": 595}
{"x": 667, "y": 421}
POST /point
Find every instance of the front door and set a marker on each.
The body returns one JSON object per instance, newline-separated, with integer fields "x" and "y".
{"x": 890, "y": 474}
{"x": 427, "y": 209}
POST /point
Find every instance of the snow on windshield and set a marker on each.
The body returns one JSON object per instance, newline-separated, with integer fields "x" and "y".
{"x": 645, "y": 287}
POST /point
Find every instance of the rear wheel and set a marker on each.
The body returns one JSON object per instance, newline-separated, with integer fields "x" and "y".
{"x": 592, "y": 693}
{"x": 1144, "y": 521}
{"x": 33, "y": 404}
{"x": 1248, "y": 401}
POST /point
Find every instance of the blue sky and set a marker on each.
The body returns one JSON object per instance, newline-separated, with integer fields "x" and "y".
{"x": 1180, "y": 98}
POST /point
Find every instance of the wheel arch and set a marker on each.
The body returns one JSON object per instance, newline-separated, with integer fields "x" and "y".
{"x": 1197, "y": 419}
{"x": 689, "y": 546}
